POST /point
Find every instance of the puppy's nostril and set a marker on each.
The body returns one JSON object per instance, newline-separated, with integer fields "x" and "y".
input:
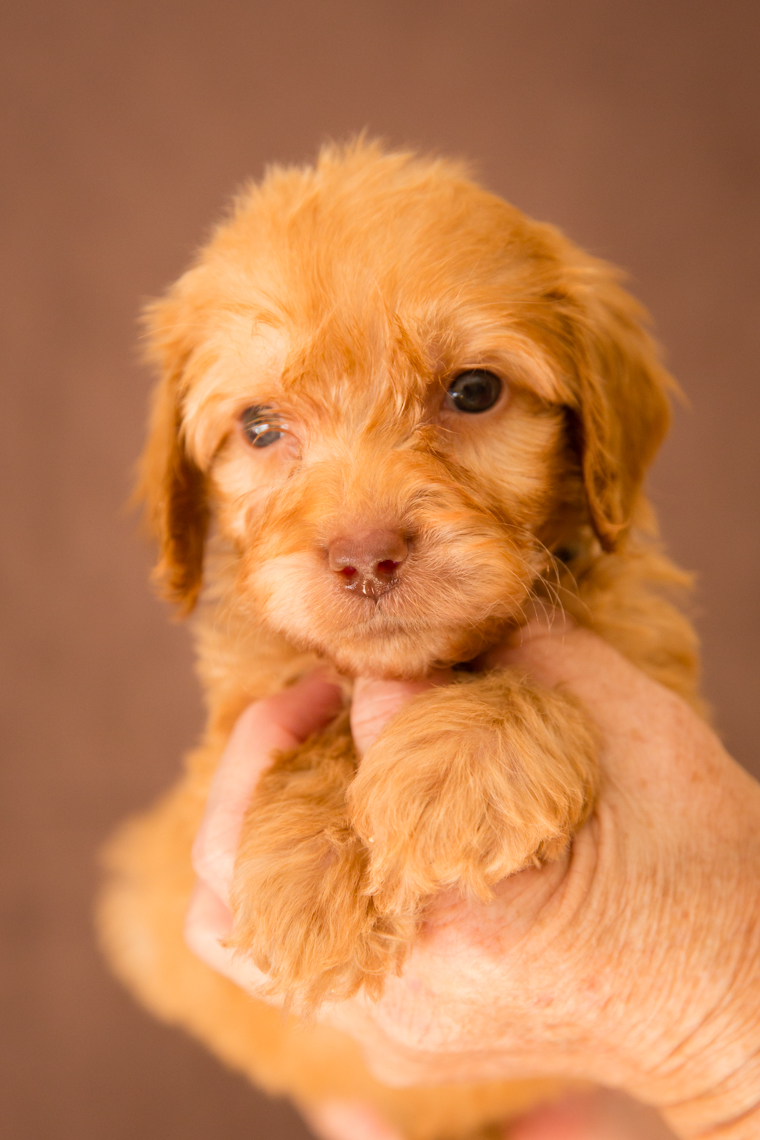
{"x": 368, "y": 562}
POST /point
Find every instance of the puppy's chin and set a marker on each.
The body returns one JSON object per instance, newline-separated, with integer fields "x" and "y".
{"x": 405, "y": 654}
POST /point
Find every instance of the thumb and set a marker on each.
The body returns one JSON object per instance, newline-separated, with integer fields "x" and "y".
{"x": 376, "y": 702}
{"x": 275, "y": 724}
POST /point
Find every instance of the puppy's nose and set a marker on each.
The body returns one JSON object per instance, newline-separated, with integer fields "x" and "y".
{"x": 368, "y": 561}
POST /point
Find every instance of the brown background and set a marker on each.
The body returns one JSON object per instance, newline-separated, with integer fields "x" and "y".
{"x": 126, "y": 125}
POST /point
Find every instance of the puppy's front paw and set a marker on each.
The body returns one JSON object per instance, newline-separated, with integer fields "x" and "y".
{"x": 469, "y": 784}
{"x": 300, "y": 902}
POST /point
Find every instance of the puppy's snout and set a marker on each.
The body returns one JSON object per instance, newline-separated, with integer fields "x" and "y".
{"x": 369, "y": 561}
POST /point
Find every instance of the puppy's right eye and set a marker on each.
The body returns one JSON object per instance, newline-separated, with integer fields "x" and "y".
{"x": 261, "y": 425}
{"x": 475, "y": 390}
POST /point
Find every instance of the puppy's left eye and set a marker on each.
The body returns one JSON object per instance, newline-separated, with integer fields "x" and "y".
{"x": 475, "y": 390}
{"x": 261, "y": 425}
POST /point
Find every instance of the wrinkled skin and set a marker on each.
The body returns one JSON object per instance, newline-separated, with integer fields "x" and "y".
{"x": 633, "y": 962}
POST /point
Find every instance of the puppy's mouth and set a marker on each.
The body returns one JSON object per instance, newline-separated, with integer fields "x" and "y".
{"x": 400, "y": 613}
{"x": 378, "y": 619}
{"x": 373, "y": 587}
{"x": 440, "y": 606}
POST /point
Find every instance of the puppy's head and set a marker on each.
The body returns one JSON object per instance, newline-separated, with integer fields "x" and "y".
{"x": 395, "y": 396}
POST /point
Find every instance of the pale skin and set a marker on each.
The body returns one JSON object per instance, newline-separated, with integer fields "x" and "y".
{"x": 632, "y": 962}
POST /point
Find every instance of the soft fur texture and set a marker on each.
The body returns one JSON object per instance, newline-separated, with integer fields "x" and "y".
{"x": 346, "y": 297}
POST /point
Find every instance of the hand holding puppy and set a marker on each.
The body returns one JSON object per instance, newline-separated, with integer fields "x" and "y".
{"x": 634, "y": 961}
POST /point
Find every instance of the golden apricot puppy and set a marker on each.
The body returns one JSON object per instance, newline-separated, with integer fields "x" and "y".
{"x": 394, "y": 416}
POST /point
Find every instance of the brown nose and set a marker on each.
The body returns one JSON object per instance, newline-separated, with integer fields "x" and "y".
{"x": 368, "y": 561}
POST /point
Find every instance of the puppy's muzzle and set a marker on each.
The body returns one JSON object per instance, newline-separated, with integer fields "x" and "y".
{"x": 368, "y": 562}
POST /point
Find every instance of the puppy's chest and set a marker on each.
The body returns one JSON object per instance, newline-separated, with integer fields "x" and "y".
{"x": 237, "y": 663}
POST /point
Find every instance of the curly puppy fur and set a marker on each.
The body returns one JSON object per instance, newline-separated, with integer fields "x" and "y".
{"x": 343, "y": 299}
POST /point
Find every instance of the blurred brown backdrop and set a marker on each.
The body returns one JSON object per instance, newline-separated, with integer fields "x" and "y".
{"x": 125, "y": 127}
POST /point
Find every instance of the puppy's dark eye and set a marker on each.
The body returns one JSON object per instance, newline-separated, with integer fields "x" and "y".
{"x": 475, "y": 390}
{"x": 261, "y": 425}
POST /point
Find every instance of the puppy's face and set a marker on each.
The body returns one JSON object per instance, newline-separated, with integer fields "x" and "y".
{"x": 385, "y": 494}
{"x": 375, "y": 382}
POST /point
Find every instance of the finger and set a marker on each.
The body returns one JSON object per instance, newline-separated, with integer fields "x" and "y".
{"x": 599, "y": 1115}
{"x": 348, "y": 1120}
{"x": 273, "y": 725}
{"x": 375, "y": 702}
{"x": 207, "y": 923}
{"x": 564, "y": 1121}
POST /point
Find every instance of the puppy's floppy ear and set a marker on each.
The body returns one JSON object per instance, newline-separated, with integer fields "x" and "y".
{"x": 621, "y": 411}
{"x": 171, "y": 484}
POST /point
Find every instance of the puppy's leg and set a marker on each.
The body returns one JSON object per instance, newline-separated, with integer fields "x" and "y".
{"x": 300, "y": 901}
{"x": 470, "y": 783}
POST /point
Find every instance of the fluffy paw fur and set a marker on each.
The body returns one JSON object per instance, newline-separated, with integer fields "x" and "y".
{"x": 468, "y": 784}
{"x": 300, "y": 895}
{"x": 471, "y": 783}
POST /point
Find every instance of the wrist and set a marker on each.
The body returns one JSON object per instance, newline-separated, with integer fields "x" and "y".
{"x": 706, "y": 1082}
{"x": 717, "y": 1071}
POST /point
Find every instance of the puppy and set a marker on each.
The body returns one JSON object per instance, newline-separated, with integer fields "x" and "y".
{"x": 394, "y": 415}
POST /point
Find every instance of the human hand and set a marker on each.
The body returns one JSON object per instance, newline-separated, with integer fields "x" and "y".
{"x": 633, "y": 962}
